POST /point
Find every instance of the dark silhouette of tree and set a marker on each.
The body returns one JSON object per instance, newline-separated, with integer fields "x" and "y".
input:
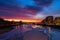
{"x": 2, "y": 20}
{"x": 21, "y": 22}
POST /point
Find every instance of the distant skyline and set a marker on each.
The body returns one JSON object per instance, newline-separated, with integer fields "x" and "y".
{"x": 29, "y": 9}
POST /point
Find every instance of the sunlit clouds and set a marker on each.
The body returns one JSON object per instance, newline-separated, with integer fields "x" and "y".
{"x": 29, "y": 9}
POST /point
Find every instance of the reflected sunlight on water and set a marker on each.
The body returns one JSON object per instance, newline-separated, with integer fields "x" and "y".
{"x": 19, "y": 31}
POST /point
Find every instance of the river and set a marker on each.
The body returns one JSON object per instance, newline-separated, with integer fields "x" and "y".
{"x": 18, "y": 31}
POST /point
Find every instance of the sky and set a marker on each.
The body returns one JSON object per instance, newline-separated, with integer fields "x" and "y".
{"x": 29, "y": 9}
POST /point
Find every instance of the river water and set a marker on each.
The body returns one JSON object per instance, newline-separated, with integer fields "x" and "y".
{"x": 18, "y": 31}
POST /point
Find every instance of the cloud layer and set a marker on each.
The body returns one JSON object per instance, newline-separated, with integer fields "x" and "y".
{"x": 29, "y": 9}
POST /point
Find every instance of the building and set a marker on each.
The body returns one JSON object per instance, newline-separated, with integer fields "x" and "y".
{"x": 48, "y": 20}
{"x": 57, "y": 21}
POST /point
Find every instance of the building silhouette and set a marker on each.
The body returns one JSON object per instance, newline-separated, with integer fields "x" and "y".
{"x": 51, "y": 21}
{"x": 57, "y": 21}
{"x": 47, "y": 21}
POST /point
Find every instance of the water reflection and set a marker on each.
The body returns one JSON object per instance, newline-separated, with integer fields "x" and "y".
{"x": 18, "y": 31}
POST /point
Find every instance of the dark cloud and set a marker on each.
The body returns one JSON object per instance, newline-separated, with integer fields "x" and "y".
{"x": 39, "y": 4}
{"x": 43, "y": 2}
{"x": 35, "y": 8}
{"x": 5, "y": 14}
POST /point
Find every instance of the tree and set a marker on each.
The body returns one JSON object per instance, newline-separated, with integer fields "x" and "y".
{"x": 2, "y": 20}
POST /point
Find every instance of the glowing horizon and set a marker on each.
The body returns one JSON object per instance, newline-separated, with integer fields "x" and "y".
{"x": 23, "y": 20}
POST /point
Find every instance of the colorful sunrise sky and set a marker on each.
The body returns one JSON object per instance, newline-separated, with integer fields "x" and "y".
{"x": 29, "y": 9}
